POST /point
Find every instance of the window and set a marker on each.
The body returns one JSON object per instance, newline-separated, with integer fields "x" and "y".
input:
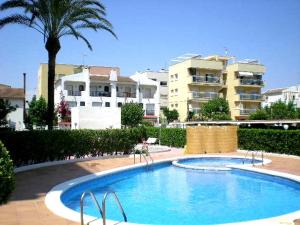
{"x": 172, "y": 105}
{"x": 193, "y": 71}
{"x": 81, "y": 87}
{"x": 82, "y": 103}
{"x": 163, "y": 83}
{"x": 106, "y": 88}
{"x": 176, "y": 105}
{"x": 176, "y": 76}
{"x": 150, "y": 109}
{"x": 72, "y": 104}
{"x": 117, "y": 88}
{"x": 107, "y": 104}
{"x": 119, "y": 104}
{"x": 172, "y": 76}
{"x": 96, "y": 104}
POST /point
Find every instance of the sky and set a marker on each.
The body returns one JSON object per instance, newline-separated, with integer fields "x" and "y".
{"x": 152, "y": 32}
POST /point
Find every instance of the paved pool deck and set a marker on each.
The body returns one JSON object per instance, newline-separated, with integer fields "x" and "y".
{"x": 27, "y": 207}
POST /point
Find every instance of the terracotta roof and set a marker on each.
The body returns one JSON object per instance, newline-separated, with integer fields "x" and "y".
{"x": 102, "y": 70}
{"x": 106, "y": 78}
{"x": 12, "y": 93}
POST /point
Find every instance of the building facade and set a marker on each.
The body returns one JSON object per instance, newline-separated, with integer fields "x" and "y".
{"x": 16, "y": 98}
{"x": 196, "y": 80}
{"x": 289, "y": 94}
{"x": 92, "y": 89}
{"x": 162, "y": 77}
{"x": 62, "y": 70}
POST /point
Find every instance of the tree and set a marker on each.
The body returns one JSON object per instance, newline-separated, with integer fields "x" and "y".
{"x": 280, "y": 110}
{"x": 63, "y": 110}
{"x": 55, "y": 19}
{"x": 5, "y": 108}
{"x": 171, "y": 115}
{"x": 260, "y": 114}
{"x": 132, "y": 114}
{"x": 277, "y": 111}
{"x": 37, "y": 112}
{"x": 215, "y": 109}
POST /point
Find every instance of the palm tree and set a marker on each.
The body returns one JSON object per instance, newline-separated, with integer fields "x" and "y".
{"x": 55, "y": 19}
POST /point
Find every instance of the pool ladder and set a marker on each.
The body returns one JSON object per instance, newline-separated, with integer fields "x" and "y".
{"x": 103, "y": 210}
{"x": 144, "y": 155}
{"x": 253, "y": 156}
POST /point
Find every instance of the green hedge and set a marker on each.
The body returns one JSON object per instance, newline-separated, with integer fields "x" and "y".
{"x": 269, "y": 140}
{"x": 175, "y": 137}
{"x": 7, "y": 176}
{"x": 30, "y": 147}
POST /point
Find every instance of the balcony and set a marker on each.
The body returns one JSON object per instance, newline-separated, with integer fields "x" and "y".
{"x": 204, "y": 95}
{"x": 150, "y": 112}
{"x": 251, "y": 82}
{"x": 147, "y": 95}
{"x": 196, "y": 110}
{"x": 246, "y": 112}
{"x": 100, "y": 94}
{"x": 74, "y": 93}
{"x": 250, "y": 97}
{"x": 126, "y": 95}
{"x": 210, "y": 80}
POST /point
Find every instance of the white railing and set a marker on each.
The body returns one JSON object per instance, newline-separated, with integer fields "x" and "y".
{"x": 251, "y": 82}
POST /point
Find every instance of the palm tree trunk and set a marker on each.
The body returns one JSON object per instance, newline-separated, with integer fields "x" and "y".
{"x": 52, "y": 46}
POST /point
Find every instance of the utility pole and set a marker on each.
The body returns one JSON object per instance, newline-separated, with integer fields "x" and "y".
{"x": 24, "y": 100}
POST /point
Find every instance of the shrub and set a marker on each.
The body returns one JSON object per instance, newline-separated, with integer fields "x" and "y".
{"x": 215, "y": 109}
{"x": 132, "y": 114}
{"x": 171, "y": 115}
{"x": 259, "y": 114}
{"x": 269, "y": 140}
{"x": 7, "y": 177}
{"x": 175, "y": 137}
{"x": 30, "y": 147}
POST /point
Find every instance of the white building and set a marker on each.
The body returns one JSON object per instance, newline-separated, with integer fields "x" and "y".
{"x": 162, "y": 78}
{"x": 91, "y": 90}
{"x": 16, "y": 98}
{"x": 284, "y": 94}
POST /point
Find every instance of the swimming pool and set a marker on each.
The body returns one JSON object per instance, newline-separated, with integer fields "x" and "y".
{"x": 170, "y": 195}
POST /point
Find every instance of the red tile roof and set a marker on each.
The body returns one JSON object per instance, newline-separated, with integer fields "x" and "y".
{"x": 7, "y": 92}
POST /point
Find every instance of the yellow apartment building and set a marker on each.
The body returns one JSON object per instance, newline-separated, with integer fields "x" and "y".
{"x": 64, "y": 70}
{"x": 194, "y": 80}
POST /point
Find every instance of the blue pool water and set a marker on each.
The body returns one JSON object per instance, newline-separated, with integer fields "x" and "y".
{"x": 174, "y": 196}
{"x": 217, "y": 161}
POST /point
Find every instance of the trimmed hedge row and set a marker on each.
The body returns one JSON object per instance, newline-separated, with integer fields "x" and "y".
{"x": 30, "y": 147}
{"x": 175, "y": 137}
{"x": 269, "y": 140}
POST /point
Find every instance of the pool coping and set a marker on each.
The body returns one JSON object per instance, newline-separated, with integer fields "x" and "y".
{"x": 54, "y": 204}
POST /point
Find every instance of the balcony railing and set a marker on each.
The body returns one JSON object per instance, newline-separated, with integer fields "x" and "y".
{"x": 247, "y": 111}
{"x": 150, "y": 112}
{"x": 74, "y": 93}
{"x": 205, "y": 95}
{"x": 250, "y": 96}
{"x": 251, "y": 82}
{"x": 100, "y": 93}
{"x": 145, "y": 95}
{"x": 206, "y": 79}
{"x": 126, "y": 95}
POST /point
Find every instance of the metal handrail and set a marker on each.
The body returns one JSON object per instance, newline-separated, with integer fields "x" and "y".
{"x": 254, "y": 155}
{"x": 104, "y": 206}
{"x": 81, "y": 205}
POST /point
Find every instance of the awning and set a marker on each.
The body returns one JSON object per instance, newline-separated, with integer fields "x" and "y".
{"x": 245, "y": 74}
